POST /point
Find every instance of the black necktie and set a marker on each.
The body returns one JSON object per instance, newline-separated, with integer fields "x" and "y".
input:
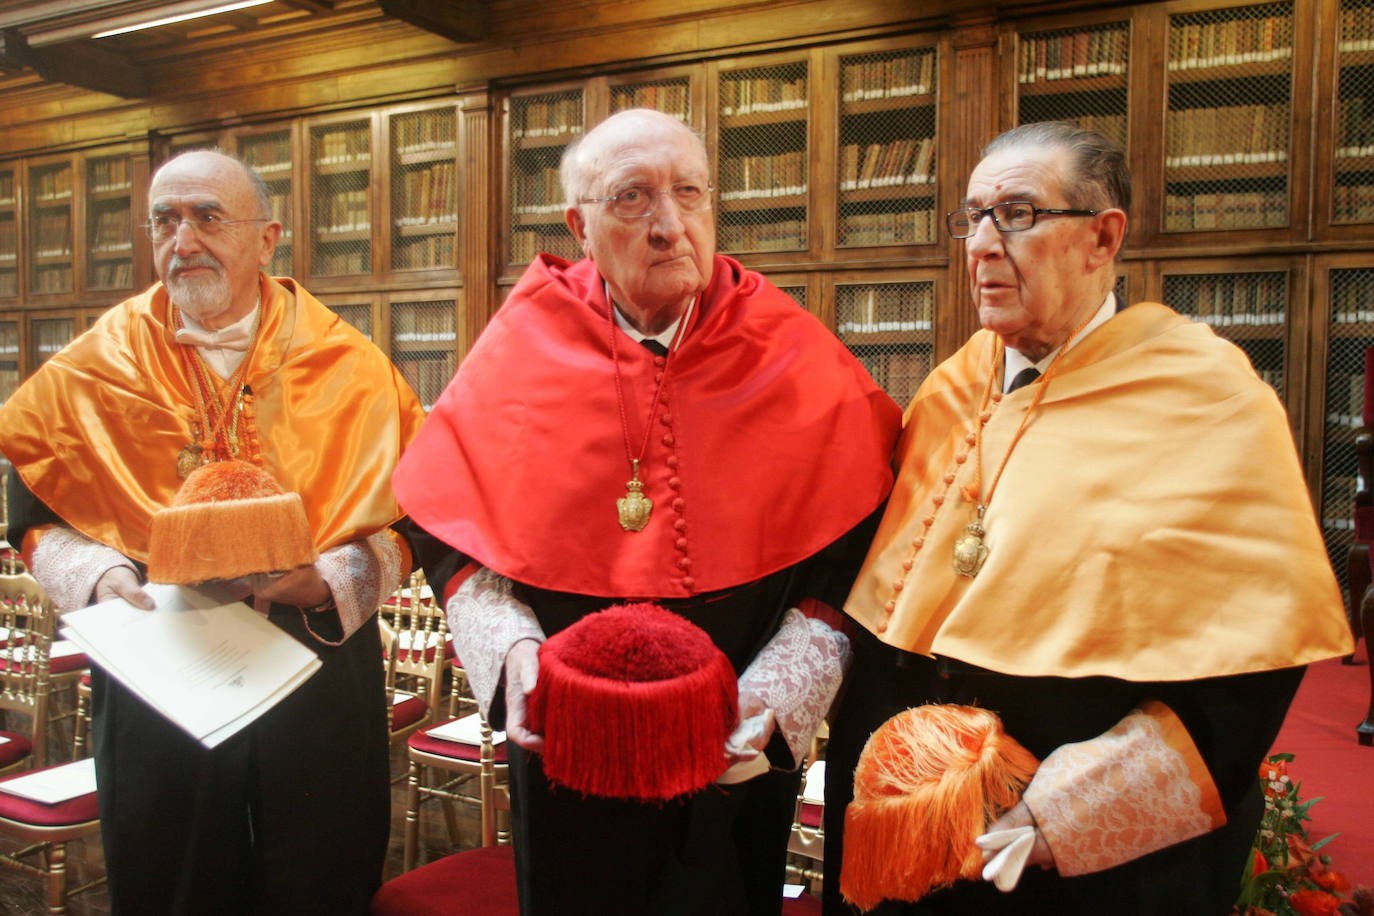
{"x": 1024, "y": 378}
{"x": 654, "y": 347}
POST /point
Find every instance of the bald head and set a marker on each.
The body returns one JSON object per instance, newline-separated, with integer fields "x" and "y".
{"x": 589, "y": 157}
{"x": 206, "y": 161}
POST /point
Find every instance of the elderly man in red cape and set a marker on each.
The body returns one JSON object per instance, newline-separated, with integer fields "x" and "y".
{"x": 653, "y": 422}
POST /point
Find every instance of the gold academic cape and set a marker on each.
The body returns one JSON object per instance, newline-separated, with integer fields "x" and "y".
{"x": 1151, "y": 524}
{"x": 95, "y": 432}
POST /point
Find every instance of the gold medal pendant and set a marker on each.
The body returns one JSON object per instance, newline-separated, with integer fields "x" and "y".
{"x": 189, "y": 458}
{"x": 969, "y": 550}
{"x": 634, "y": 507}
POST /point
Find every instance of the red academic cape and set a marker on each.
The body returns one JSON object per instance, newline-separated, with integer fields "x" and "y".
{"x": 770, "y": 442}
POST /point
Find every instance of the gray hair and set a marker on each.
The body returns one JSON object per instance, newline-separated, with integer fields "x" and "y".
{"x": 578, "y": 169}
{"x": 1099, "y": 176}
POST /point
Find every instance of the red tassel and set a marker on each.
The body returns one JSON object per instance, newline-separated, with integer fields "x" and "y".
{"x": 634, "y": 702}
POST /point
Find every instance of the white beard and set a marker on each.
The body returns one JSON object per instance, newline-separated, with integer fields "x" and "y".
{"x": 199, "y": 297}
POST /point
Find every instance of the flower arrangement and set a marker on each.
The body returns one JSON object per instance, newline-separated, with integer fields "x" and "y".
{"x": 1287, "y": 875}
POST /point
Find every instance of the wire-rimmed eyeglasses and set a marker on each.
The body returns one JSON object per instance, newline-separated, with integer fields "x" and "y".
{"x": 1008, "y": 216}
{"x": 639, "y": 201}
{"x": 163, "y": 226}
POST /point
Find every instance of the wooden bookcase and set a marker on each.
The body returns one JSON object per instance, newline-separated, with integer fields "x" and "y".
{"x": 274, "y": 153}
{"x": 9, "y": 234}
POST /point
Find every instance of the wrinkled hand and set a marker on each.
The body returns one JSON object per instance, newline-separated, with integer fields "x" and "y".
{"x": 299, "y": 587}
{"x": 121, "y": 582}
{"x": 522, "y": 671}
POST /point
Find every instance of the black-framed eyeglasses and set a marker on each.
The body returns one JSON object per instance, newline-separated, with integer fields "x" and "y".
{"x": 639, "y": 201}
{"x": 1008, "y": 216}
{"x": 163, "y": 226}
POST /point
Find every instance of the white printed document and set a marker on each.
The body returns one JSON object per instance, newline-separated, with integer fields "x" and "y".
{"x": 210, "y": 665}
{"x": 56, "y": 784}
{"x": 467, "y": 730}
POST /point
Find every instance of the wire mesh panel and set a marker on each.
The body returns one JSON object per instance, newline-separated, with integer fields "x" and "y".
{"x": 9, "y": 237}
{"x": 1076, "y": 75}
{"x": 888, "y": 327}
{"x": 50, "y": 229}
{"x": 1122, "y": 289}
{"x": 109, "y": 223}
{"x": 1351, "y": 317}
{"x": 11, "y": 371}
{"x": 341, "y": 213}
{"x": 762, "y": 160}
{"x": 671, "y": 96}
{"x": 424, "y": 190}
{"x": 798, "y": 294}
{"x": 1353, "y": 197}
{"x": 424, "y": 344}
{"x": 887, "y": 153}
{"x": 541, "y": 127}
{"x": 1230, "y": 74}
{"x": 1249, "y": 309}
{"x": 270, "y": 156}
{"x": 358, "y": 314}
{"x": 50, "y": 335}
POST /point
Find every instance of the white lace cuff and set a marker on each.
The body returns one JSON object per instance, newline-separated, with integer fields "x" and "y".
{"x": 1139, "y": 787}
{"x": 797, "y": 676}
{"x": 486, "y": 620}
{"x": 360, "y": 574}
{"x": 68, "y": 565}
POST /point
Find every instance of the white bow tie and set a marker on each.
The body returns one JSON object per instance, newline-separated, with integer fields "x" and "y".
{"x": 230, "y": 338}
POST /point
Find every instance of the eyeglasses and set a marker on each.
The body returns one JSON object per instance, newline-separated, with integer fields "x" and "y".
{"x": 1008, "y": 216}
{"x": 639, "y": 201}
{"x": 164, "y": 226}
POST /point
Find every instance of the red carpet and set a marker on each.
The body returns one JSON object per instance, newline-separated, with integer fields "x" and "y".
{"x": 1329, "y": 762}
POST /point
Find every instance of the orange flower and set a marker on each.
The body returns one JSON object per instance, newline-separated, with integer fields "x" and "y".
{"x": 1274, "y": 777}
{"x": 1258, "y": 865}
{"x": 1314, "y": 903}
{"x": 1300, "y": 855}
{"x": 1333, "y": 881}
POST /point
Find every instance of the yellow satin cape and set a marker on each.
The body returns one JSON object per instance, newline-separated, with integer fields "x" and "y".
{"x": 95, "y": 432}
{"x": 1151, "y": 524}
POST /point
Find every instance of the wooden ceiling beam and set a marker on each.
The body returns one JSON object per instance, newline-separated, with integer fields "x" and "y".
{"x": 314, "y": 6}
{"x": 462, "y": 21}
{"x": 77, "y": 63}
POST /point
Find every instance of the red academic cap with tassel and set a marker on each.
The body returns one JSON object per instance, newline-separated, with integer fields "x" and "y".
{"x": 929, "y": 781}
{"x": 229, "y": 519}
{"x": 634, "y": 702}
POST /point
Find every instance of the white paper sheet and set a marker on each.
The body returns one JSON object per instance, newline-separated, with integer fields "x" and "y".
{"x": 814, "y": 787}
{"x": 71, "y": 780}
{"x": 467, "y": 730}
{"x": 209, "y": 665}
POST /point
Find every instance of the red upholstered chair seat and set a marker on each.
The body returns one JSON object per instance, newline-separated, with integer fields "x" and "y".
{"x": 408, "y": 712}
{"x": 476, "y": 883}
{"x": 799, "y": 906}
{"x": 811, "y": 814}
{"x": 78, "y": 810}
{"x": 422, "y": 742}
{"x": 13, "y": 750}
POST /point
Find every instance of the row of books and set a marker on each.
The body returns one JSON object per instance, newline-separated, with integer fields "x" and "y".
{"x": 343, "y": 211}
{"x": 880, "y": 165}
{"x": 337, "y": 147}
{"x": 9, "y": 283}
{"x": 52, "y": 233}
{"x": 424, "y": 252}
{"x": 547, "y": 119}
{"x": 109, "y": 174}
{"x": 1242, "y": 210}
{"x": 899, "y": 374}
{"x": 428, "y": 376}
{"x": 746, "y": 96}
{"x": 48, "y": 280}
{"x": 1353, "y": 302}
{"x": 1357, "y": 28}
{"x": 52, "y": 184}
{"x": 421, "y": 133}
{"x": 884, "y": 307}
{"x": 526, "y": 243}
{"x": 670, "y": 98}
{"x": 279, "y": 203}
{"x": 1338, "y": 503}
{"x": 339, "y": 263}
{"x": 1232, "y": 41}
{"x": 1072, "y": 55}
{"x": 423, "y": 322}
{"x": 910, "y": 74}
{"x": 9, "y": 238}
{"x": 1227, "y": 300}
{"x": 427, "y": 195}
{"x": 538, "y": 191}
{"x": 1231, "y": 135}
{"x": 782, "y": 235}
{"x": 52, "y": 334}
{"x": 1271, "y": 377}
{"x": 1353, "y": 203}
{"x": 6, "y": 187}
{"x": 914, "y": 227}
{"x": 1110, "y": 126}
{"x": 110, "y": 231}
{"x": 778, "y": 175}
{"x": 112, "y": 275}
{"x": 1357, "y": 126}
{"x": 267, "y": 153}
{"x": 1346, "y": 401}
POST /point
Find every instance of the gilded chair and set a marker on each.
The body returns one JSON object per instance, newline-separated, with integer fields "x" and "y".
{"x": 806, "y": 844}
{"x": 66, "y": 665}
{"x": 422, "y": 647}
{"x": 462, "y": 764}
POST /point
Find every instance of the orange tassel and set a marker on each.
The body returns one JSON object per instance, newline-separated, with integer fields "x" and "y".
{"x": 929, "y": 781}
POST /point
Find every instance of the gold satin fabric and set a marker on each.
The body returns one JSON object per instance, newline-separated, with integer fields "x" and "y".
{"x": 96, "y": 431}
{"x": 1151, "y": 524}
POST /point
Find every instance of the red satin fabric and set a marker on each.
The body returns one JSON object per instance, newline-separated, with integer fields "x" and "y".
{"x": 772, "y": 441}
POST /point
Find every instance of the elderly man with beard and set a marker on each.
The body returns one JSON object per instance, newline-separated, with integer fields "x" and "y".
{"x": 220, "y": 362}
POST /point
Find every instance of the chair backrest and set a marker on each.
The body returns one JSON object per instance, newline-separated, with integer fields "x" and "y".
{"x": 25, "y": 687}
{"x": 494, "y": 796}
{"x": 420, "y": 628}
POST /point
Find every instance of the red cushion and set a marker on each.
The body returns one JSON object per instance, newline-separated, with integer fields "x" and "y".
{"x": 404, "y": 654}
{"x": 480, "y": 882}
{"x": 422, "y": 742}
{"x": 811, "y": 814}
{"x": 15, "y": 749}
{"x": 798, "y": 906}
{"x": 408, "y": 712}
{"x": 60, "y": 665}
{"x": 86, "y": 679}
{"x": 74, "y": 811}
